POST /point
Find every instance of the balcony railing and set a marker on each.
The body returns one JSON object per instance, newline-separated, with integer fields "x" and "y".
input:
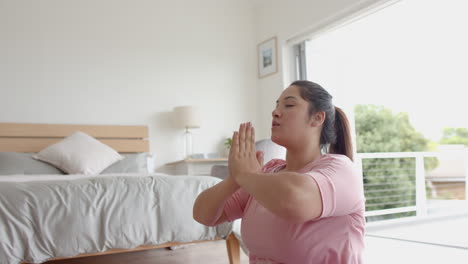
{"x": 395, "y": 183}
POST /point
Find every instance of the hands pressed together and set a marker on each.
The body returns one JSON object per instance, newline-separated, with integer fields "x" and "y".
{"x": 243, "y": 157}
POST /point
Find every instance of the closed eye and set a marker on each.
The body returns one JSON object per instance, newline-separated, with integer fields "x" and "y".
{"x": 289, "y": 105}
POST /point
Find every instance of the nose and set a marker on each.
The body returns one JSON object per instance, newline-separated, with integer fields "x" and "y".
{"x": 275, "y": 112}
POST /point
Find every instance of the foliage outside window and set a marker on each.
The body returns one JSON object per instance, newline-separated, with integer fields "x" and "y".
{"x": 389, "y": 182}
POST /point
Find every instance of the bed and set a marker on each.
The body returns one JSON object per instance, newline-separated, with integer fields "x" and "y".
{"x": 47, "y": 215}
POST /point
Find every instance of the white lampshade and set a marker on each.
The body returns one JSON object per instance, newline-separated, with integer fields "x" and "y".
{"x": 187, "y": 116}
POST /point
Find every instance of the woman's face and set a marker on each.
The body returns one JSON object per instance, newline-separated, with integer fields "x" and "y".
{"x": 291, "y": 122}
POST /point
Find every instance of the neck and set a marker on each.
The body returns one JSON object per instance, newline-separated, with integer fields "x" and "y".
{"x": 298, "y": 158}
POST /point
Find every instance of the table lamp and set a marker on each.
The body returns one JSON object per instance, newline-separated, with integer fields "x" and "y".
{"x": 188, "y": 117}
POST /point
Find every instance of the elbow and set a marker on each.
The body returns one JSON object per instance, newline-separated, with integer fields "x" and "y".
{"x": 201, "y": 220}
{"x": 200, "y": 217}
{"x": 210, "y": 224}
{"x": 204, "y": 221}
{"x": 197, "y": 214}
{"x": 196, "y": 217}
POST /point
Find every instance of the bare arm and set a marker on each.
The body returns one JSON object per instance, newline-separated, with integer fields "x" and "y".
{"x": 289, "y": 195}
{"x": 292, "y": 196}
{"x": 209, "y": 205}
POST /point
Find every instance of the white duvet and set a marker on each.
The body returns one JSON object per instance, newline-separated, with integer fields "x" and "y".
{"x": 48, "y": 216}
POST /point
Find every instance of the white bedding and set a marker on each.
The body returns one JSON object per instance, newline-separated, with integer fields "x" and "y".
{"x": 55, "y": 177}
{"x": 48, "y": 216}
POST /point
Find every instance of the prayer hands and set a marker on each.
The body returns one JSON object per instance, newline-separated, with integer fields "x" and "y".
{"x": 243, "y": 158}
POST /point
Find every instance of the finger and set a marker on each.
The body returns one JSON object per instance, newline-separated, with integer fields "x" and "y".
{"x": 260, "y": 157}
{"x": 252, "y": 140}
{"x": 248, "y": 134}
{"x": 242, "y": 138}
{"x": 234, "y": 144}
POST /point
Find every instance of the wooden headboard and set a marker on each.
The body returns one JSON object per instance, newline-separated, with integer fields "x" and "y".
{"x": 20, "y": 137}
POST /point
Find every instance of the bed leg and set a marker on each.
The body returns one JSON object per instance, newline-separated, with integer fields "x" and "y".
{"x": 233, "y": 249}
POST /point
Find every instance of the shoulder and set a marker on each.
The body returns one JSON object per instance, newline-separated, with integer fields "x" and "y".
{"x": 332, "y": 163}
{"x": 337, "y": 160}
{"x": 273, "y": 165}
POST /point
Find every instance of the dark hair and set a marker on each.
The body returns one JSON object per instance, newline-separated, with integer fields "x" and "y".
{"x": 335, "y": 132}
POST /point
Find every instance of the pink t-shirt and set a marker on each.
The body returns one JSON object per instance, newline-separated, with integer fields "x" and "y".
{"x": 336, "y": 237}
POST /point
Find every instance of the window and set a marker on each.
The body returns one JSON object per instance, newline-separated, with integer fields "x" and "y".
{"x": 410, "y": 57}
{"x": 409, "y": 61}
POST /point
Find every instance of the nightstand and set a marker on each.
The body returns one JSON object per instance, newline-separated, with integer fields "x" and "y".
{"x": 194, "y": 166}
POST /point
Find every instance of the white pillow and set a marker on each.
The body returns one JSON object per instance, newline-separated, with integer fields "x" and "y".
{"x": 79, "y": 153}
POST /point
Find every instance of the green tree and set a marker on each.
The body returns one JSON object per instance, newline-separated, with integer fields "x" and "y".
{"x": 455, "y": 136}
{"x": 378, "y": 129}
{"x": 389, "y": 182}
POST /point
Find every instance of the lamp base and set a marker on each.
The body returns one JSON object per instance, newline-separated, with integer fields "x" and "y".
{"x": 188, "y": 143}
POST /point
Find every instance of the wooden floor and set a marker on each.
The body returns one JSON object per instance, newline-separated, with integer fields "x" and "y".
{"x": 214, "y": 252}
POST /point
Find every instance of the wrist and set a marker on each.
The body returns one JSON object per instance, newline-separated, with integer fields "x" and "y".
{"x": 231, "y": 183}
{"x": 243, "y": 178}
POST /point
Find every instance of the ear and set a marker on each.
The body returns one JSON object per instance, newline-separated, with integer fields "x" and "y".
{"x": 318, "y": 119}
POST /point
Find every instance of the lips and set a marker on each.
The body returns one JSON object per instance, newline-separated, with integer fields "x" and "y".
{"x": 275, "y": 124}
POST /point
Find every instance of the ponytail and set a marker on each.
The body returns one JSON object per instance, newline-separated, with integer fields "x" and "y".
{"x": 335, "y": 136}
{"x": 342, "y": 144}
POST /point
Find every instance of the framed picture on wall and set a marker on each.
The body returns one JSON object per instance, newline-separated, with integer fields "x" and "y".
{"x": 267, "y": 58}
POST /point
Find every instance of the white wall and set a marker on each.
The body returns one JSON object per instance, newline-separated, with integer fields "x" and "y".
{"x": 289, "y": 20}
{"x": 130, "y": 62}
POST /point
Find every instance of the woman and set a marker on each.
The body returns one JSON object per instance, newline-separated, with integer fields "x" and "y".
{"x": 306, "y": 209}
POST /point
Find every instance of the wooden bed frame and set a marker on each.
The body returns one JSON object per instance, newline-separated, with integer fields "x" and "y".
{"x": 21, "y": 137}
